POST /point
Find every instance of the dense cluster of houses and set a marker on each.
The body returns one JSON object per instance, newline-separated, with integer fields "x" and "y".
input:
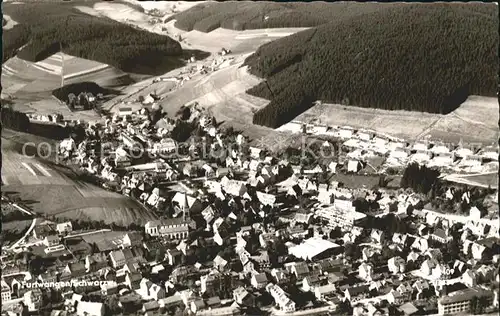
{"x": 250, "y": 232}
{"x": 365, "y": 144}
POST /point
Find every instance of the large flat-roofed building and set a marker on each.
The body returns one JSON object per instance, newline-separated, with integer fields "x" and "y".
{"x": 341, "y": 214}
{"x": 313, "y": 248}
{"x": 460, "y": 301}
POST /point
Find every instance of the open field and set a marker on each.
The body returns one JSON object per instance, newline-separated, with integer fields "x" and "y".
{"x": 481, "y": 180}
{"x": 51, "y": 105}
{"x": 105, "y": 240}
{"x": 55, "y": 190}
{"x": 476, "y": 120}
{"x": 223, "y": 91}
{"x": 16, "y": 227}
{"x": 20, "y": 76}
{"x": 237, "y": 41}
{"x": 166, "y": 8}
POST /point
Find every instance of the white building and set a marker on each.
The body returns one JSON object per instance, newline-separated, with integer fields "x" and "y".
{"x": 65, "y": 227}
{"x": 284, "y": 303}
{"x": 365, "y": 271}
{"x": 341, "y": 213}
{"x": 311, "y": 248}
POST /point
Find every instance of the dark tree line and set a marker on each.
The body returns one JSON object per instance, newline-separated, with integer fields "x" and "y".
{"x": 382, "y": 60}
{"x": 49, "y": 26}
{"x": 419, "y": 178}
{"x": 15, "y": 120}
{"x": 182, "y": 131}
{"x": 257, "y": 15}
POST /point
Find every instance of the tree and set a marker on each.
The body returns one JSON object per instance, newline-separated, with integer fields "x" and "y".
{"x": 419, "y": 178}
{"x": 182, "y": 131}
{"x": 351, "y": 251}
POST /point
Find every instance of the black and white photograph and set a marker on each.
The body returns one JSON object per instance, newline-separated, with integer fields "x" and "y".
{"x": 249, "y": 158}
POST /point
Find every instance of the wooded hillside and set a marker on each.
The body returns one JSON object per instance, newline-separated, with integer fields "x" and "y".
{"x": 245, "y": 15}
{"x": 44, "y": 27}
{"x": 414, "y": 57}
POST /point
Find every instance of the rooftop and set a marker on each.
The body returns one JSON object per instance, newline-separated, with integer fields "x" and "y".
{"x": 311, "y": 248}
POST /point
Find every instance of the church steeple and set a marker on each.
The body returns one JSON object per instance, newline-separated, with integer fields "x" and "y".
{"x": 185, "y": 207}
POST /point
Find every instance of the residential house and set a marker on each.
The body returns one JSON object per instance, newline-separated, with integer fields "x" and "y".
{"x": 485, "y": 273}
{"x": 51, "y": 240}
{"x": 356, "y": 292}
{"x": 197, "y": 305}
{"x": 76, "y": 269}
{"x": 420, "y": 288}
{"x": 400, "y": 239}
{"x": 220, "y": 263}
{"x": 133, "y": 280}
{"x": 478, "y": 251}
{"x": 368, "y": 253}
{"x": 243, "y": 298}
{"x": 173, "y": 256}
{"x": 109, "y": 289}
{"x": 396, "y": 265}
{"x": 95, "y": 262}
{"x": 394, "y": 297}
{"x": 427, "y": 266}
{"x": 405, "y": 290}
{"x": 420, "y": 244}
{"x": 441, "y": 236}
{"x": 335, "y": 277}
{"x": 310, "y": 282}
{"x": 149, "y": 290}
{"x": 365, "y": 271}
{"x": 186, "y": 203}
{"x": 84, "y": 308}
{"x": 33, "y": 299}
{"x": 132, "y": 239}
{"x": 475, "y": 214}
{"x": 325, "y": 292}
{"x": 150, "y": 306}
{"x": 377, "y": 236}
{"x": 120, "y": 257}
{"x": 280, "y": 275}
{"x": 208, "y": 214}
{"x": 469, "y": 278}
{"x": 259, "y": 280}
{"x": 6, "y": 291}
{"x": 63, "y": 228}
{"x": 255, "y": 152}
{"x": 354, "y": 166}
{"x": 284, "y": 303}
{"x": 299, "y": 269}
{"x": 189, "y": 170}
{"x": 213, "y": 302}
{"x": 233, "y": 187}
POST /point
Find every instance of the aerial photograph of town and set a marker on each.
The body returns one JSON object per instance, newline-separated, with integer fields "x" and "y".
{"x": 251, "y": 158}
